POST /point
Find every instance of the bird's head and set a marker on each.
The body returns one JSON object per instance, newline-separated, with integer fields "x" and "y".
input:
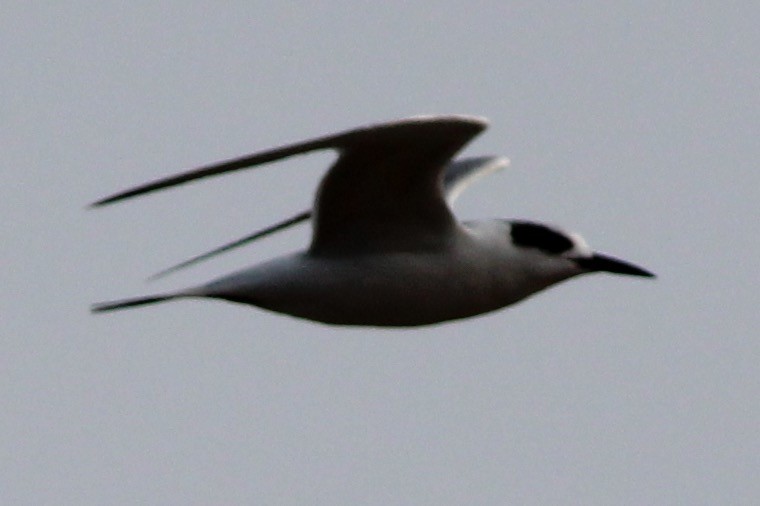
{"x": 557, "y": 254}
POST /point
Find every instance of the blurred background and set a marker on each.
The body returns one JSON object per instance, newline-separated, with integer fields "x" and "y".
{"x": 634, "y": 124}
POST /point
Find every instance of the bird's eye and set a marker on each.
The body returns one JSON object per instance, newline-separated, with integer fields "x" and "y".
{"x": 535, "y": 235}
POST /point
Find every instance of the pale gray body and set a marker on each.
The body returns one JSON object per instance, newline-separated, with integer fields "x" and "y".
{"x": 473, "y": 275}
{"x": 386, "y": 250}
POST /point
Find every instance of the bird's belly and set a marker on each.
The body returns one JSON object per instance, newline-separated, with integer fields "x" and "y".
{"x": 388, "y": 290}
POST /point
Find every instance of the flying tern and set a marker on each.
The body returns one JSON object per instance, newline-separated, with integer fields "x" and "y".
{"x": 386, "y": 249}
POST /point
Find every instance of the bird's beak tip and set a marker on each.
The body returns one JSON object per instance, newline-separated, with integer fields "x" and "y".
{"x": 599, "y": 262}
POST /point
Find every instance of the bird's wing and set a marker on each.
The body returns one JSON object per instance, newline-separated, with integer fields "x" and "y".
{"x": 385, "y": 191}
{"x": 339, "y": 141}
{"x": 262, "y": 157}
{"x": 458, "y": 176}
{"x": 282, "y": 225}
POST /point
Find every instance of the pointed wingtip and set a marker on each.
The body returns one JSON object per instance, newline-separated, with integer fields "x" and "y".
{"x": 116, "y": 197}
{"x": 174, "y": 268}
{"x": 113, "y": 198}
{"x": 96, "y": 204}
{"x": 293, "y": 220}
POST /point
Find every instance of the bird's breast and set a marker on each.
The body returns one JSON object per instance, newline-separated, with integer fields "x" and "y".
{"x": 390, "y": 289}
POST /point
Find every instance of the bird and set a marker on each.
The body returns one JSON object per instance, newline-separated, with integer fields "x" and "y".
{"x": 386, "y": 249}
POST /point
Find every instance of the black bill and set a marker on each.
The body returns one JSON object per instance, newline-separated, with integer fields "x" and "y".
{"x": 604, "y": 263}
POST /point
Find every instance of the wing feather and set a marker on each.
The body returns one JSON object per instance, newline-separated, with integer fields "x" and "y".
{"x": 458, "y": 176}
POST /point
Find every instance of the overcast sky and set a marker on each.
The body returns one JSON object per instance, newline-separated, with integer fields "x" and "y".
{"x": 633, "y": 123}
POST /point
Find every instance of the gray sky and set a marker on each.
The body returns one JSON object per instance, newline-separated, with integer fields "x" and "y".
{"x": 635, "y": 124}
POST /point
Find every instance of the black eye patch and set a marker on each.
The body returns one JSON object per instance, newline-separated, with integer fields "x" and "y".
{"x": 534, "y": 235}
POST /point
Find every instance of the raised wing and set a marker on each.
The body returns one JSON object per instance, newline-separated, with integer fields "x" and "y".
{"x": 339, "y": 141}
{"x": 384, "y": 192}
{"x": 458, "y": 176}
{"x": 462, "y": 173}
